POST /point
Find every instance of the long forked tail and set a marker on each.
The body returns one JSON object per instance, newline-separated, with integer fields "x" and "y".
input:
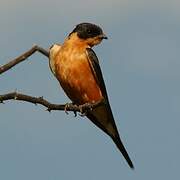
{"x": 103, "y": 118}
{"x": 122, "y": 149}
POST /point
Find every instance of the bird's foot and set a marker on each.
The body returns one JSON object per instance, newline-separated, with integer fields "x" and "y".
{"x": 67, "y": 105}
{"x": 84, "y": 108}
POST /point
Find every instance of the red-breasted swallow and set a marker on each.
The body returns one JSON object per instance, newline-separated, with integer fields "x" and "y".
{"x": 76, "y": 67}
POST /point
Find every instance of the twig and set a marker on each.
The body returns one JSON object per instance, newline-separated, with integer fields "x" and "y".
{"x": 40, "y": 100}
{"x": 23, "y": 57}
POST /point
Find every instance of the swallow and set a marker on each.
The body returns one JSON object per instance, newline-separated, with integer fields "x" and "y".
{"x": 76, "y": 67}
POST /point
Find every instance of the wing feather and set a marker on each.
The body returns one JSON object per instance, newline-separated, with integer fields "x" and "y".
{"x": 96, "y": 70}
{"x": 102, "y": 116}
{"x": 95, "y": 67}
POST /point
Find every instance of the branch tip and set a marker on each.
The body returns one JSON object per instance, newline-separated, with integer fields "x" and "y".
{"x": 23, "y": 57}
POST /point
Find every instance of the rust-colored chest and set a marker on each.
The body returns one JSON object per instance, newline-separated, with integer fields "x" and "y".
{"x": 75, "y": 76}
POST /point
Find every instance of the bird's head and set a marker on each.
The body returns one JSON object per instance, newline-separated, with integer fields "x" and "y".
{"x": 89, "y": 33}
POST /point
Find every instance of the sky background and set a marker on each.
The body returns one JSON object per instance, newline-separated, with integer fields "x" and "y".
{"x": 141, "y": 67}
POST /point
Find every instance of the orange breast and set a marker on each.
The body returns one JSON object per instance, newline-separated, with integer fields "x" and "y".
{"x": 75, "y": 76}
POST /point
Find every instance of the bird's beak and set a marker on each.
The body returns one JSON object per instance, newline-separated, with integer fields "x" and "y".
{"x": 103, "y": 36}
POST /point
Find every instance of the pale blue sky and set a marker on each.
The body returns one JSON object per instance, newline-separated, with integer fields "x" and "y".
{"x": 140, "y": 63}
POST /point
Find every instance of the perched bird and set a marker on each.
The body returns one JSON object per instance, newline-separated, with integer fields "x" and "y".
{"x": 76, "y": 67}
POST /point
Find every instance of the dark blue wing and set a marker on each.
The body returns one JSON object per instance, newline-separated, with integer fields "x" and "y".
{"x": 102, "y": 116}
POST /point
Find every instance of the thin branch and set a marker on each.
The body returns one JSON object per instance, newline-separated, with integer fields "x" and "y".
{"x": 40, "y": 100}
{"x": 23, "y": 57}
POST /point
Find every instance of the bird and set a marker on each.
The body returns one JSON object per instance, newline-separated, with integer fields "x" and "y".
{"x": 76, "y": 67}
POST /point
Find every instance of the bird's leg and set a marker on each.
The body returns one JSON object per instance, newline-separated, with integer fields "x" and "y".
{"x": 82, "y": 112}
{"x": 68, "y": 105}
{"x": 84, "y": 108}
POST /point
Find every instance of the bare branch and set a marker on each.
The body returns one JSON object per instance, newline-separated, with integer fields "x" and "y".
{"x": 23, "y": 57}
{"x": 40, "y": 100}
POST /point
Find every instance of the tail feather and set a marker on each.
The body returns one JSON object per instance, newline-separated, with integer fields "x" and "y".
{"x": 103, "y": 118}
{"x": 122, "y": 149}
